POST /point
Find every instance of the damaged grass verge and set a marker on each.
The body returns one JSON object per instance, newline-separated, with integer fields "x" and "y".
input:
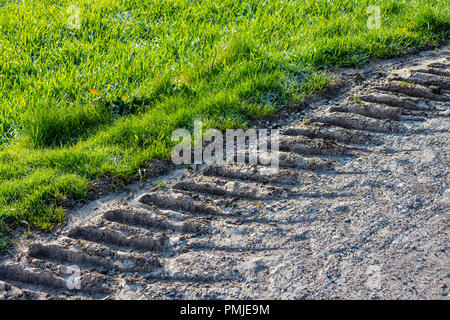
{"x": 103, "y": 100}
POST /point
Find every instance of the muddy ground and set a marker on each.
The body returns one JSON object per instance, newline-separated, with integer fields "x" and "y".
{"x": 359, "y": 209}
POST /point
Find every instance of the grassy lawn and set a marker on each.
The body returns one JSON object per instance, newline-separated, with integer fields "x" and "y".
{"x": 77, "y": 104}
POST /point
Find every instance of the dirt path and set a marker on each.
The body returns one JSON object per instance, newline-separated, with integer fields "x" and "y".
{"x": 358, "y": 209}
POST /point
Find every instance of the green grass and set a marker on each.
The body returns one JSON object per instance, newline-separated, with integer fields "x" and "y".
{"x": 77, "y": 104}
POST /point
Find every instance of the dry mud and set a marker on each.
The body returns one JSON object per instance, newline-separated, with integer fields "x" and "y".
{"x": 358, "y": 210}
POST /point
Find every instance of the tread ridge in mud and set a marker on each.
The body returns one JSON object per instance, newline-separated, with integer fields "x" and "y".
{"x": 141, "y": 219}
{"x": 105, "y": 236}
{"x": 368, "y": 110}
{"x": 177, "y": 204}
{"x": 395, "y": 101}
{"x": 281, "y": 176}
{"x": 425, "y": 80}
{"x": 411, "y": 90}
{"x": 293, "y": 160}
{"x": 61, "y": 254}
{"x": 433, "y": 71}
{"x": 314, "y": 146}
{"x": 43, "y": 278}
{"x": 118, "y": 262}
{"x": 359, "y": 122}
{"x": 229, "y": 190}
{"x": 324, "y": 131}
